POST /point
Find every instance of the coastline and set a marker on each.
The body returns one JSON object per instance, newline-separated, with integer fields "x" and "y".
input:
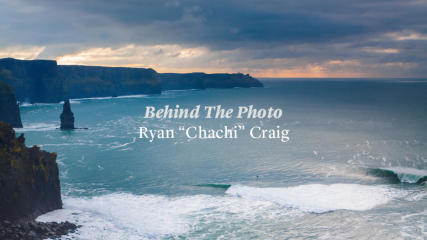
{"x": 117, "y": 186}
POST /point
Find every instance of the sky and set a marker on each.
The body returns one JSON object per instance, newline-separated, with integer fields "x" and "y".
{"x": 268, "y": 38}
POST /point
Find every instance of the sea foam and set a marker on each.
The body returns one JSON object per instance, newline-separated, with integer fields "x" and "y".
{"x": 129, "y": 216}
{"x": 37, "y": 127}
{"x": 319, "y": 198}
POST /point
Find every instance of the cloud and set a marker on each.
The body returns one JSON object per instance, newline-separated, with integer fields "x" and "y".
{"x": 154, "y": 56}
{"x": 404, "y": 36}
{"x": 381, "y": 50}
{"x": 225, "y": 35}
{"x": 21, "y": 52}
{"x": 178, "y": 58}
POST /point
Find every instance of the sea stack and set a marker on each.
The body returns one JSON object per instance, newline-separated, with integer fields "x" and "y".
{"x": 67, "y": 117}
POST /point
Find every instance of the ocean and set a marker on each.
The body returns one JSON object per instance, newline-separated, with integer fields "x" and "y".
{"x": 356, "y": 150}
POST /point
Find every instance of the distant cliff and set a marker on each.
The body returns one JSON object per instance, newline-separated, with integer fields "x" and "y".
{"x": 45, "y": 81}
{"x": 33, "y": 80}
{"x": 176, "y": 81}
{"x": 89, "y": 81}
{"x": 9, "y": 109}
{"x": 29, "y": 182}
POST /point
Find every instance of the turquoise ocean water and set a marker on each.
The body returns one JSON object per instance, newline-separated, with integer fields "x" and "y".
{"x": 356, "y": 151}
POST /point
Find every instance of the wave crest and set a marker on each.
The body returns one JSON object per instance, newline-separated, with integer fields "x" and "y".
{"x": 400, "y": 174}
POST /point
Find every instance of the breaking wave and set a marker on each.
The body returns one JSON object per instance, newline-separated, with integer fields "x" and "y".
{"x": 400, "y": 174}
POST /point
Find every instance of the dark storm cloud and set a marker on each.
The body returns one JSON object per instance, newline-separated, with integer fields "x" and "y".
{"x": 215, "y": 22}
{"x": 312, "y": 30}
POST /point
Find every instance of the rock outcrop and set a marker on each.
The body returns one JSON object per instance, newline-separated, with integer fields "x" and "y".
{"x": 29, "y": 181}
{"x": 176, "y": 81}
{"x": 29, "y": 187}
{"x": 67, "y": 116}
{"x": 33, "y": 230}
{"x": 9, "y": 109}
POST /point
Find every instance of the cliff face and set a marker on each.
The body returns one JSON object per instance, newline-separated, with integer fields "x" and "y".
{"x": 9, "y": 109}
{"x": 33, "y": 80}
{"x": 176, "y": 81}
{"x": 29, "y": 181}
{"x": 88, "y": 81}
{"x": 44, "y": 81}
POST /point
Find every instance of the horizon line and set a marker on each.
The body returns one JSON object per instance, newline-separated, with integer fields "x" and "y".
{"x": 300, "y": 75}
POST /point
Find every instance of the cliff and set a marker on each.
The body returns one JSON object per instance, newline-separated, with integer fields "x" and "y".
{"x": 33, "y": 80}
{"x": 9, "y": 109}
{"x": 29, "y": 181}
{"x": 45, "y": 81}
{"x": 89, "y": 81}
{"x": 176, "y": 81}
